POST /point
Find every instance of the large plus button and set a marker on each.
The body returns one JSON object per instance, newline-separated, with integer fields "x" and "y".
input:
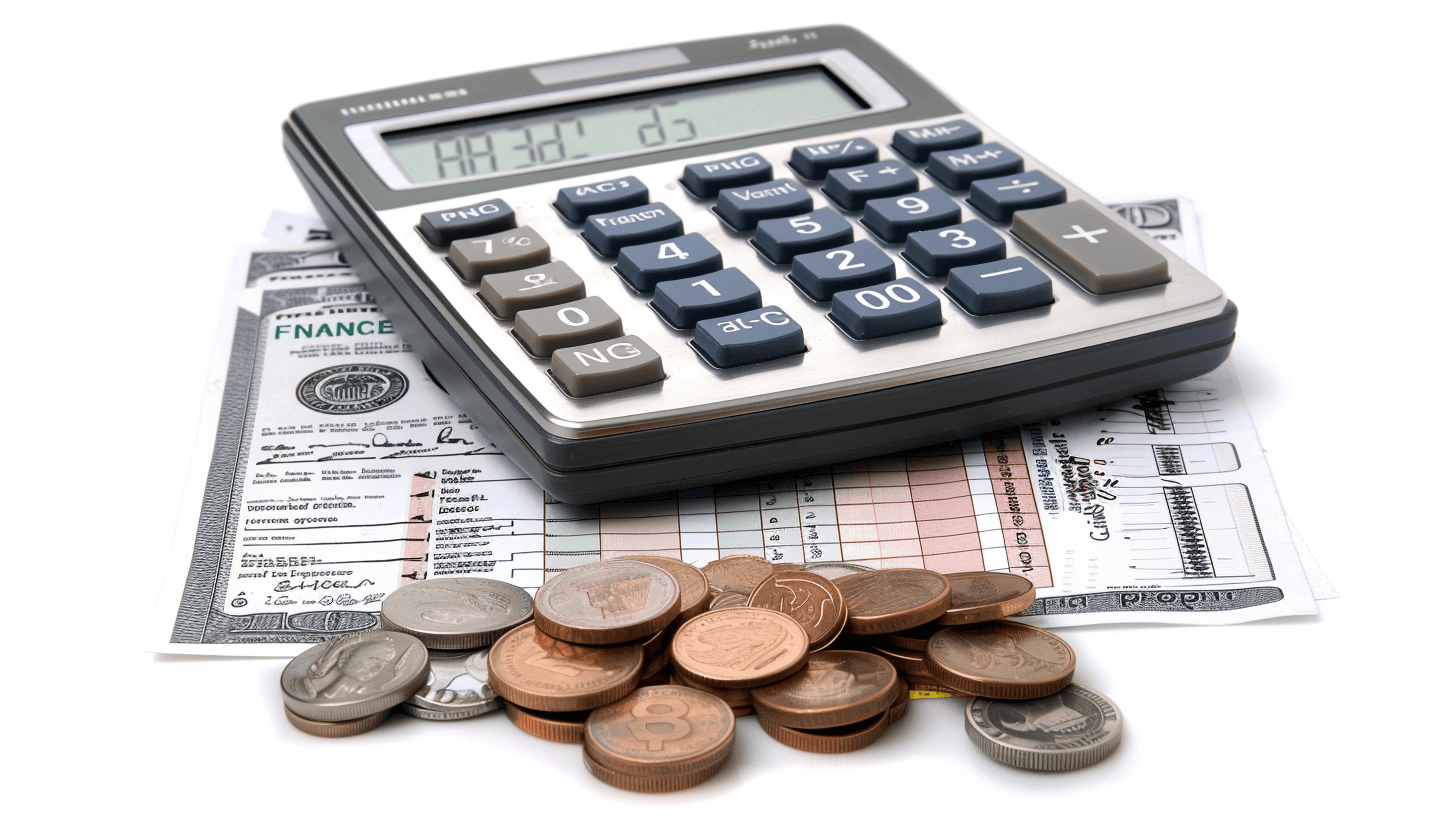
{"x": 1078, "y": 232}
{"x": 1113, "y": 258}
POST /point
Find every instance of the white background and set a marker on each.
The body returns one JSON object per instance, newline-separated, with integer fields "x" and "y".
{"x": 142, "y": 144}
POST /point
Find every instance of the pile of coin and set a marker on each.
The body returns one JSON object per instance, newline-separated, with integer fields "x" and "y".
{"x": 647, "y": 662}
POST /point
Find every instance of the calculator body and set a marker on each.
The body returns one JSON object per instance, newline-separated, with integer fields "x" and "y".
{"x": 840, "y": 397}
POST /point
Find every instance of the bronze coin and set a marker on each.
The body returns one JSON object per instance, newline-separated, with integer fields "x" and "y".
{"x": 345, "y": 728}
{"x": 977, "y": 597}
{"x": 655, "y": 645}
{"x": 840, "y": 740}
{"x": 607, "y": 602}
{"x": 536, "y": 671}
{"x": 652, "y": 784}
{"x": 892, "y": 600}
{"x": 739, "y": 648}
{"x": 902, "y": 701}
{"x": 728, "y": 600}
{"x": 906, "y": 661}
{"x": 692, "y": 584}
{"x": 660, "y": 731}
{"x": 833, "y": 689}
{"x": 559, "y": 726}
{"x": 783, "y": 566}
{"x": 1000, "y": 660}
{"x": 914, "y": 639}
{"x": 736, "y": 698}
{"x": 812, "y": 600}
{"x": 738, "y": 573}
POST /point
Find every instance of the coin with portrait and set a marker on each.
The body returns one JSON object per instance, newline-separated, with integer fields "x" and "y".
{"x": 354, "y": 675}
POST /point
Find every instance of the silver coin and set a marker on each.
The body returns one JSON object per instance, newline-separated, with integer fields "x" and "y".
{"x": 442, "y": 716}
{"x": 456, "y": 613}
{"x": 354, "y": 675}
{"x": 836, "y": 569}
{"x": 1071, "y": 729}
{"x": 456, "y": 685}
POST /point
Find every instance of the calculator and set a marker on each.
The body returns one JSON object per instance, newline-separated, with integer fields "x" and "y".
{"x": 708, "y": 261}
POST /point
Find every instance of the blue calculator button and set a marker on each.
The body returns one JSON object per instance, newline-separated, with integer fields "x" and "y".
{"x": 609, "y": 232}
{"x": 646, "y": 265}
{"x": 743, "y": 207}
{"x": 893, "y": 219}
{"x": 916, "y": 144}
{"x": 684, "y": 302}
{"x": 936, "y": 252}
{"x": 814, "y": 161}
{"x": 851, "y": 187}
{"x": 820, "y": 274}
{"x": 755, "y": 336}
{"x": 440, "y": 228}
{"x": 705, "y": 180}
{"x": 580, "y": 200}
{"x": 956, "y": 169}
{"x": 1007, "y": 285}
{"x": 904, "y": 305}
{"x": 998, "y": 198}
{"x": 780, "y": 239}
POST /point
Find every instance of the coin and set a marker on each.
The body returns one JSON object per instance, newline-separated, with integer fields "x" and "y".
{"x": 812, "y": 600}
{"x": 556, "y": 726}
{"x": 728, "y": 600}
{"x": 902, "y": 701}
{"x": 914, "y": 639}
{"x": 1001, "y": 660}
{"x": 456, "y": 686}
{"x": 836, "y": 569}
{"x": 976, "y": 597}
{"x": 907, "y": 661}
{"x": 739, "y": 648}
{"x": 660, "y": 731}
{"x": 455, "y": 613}
{"x": 735, "y": 698}
{"x": 652, "y": 784}
{"x": 607, "y": 602}
{"x": 834, "y": 688}
{"x": 352, "y": 676}
{"x": 737, "y": 573}
{"x": 692, "y": 584}
{"x": 343, "y": 728}
{"x": 1071, "y": 729}
{"x": 894, "y": 599}
{"x": 536, "y": 671}
{"x": 840, "y": 740}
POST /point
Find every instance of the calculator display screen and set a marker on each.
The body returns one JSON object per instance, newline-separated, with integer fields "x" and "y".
{"x": 625, "y": 124}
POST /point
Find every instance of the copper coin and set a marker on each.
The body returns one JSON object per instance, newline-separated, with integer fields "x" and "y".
{"x": 739, "y": 648}
{"x": 840, "y": 740}
{"x": 784, "y": 566}
{"x": 1071, "y": 729}
{"x": 833, "y": 689}
{"x": 556, "y": 726}
{"x": 534, "y": 670}
{"x": 607, "y": 602}
{"x": 656, "y": 664}
{"x": 660, "y": 731}
{"x": 344, "y": 728}
{"x": 894, "y": 599}
{"x": 977, "y": 597}
{"x": 652, "y": 784}
{"x": 692, "y": 584}
{"x": 914, "y": 639}
{"x": 902, "y": 701}
{"x": 906, "y": 661}
{"x": 812, "y": 600}
{"x": 728, "y": 600}
{"x": 836, "y": 569}
{"x": 352, "y": 676}
{"x": 736, "y": 698}
{"x": 1001, "y": 660}
{"x": 455, "y": 613}
{"x": 655, "y": 644}
{"x": 738, "y": 573}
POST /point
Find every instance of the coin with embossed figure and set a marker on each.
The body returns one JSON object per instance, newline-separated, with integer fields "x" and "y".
{"x": 456, "y": 613}
{"x": 692, "y": 584}
{"x": 660, "y": 731}
{"x": 1070, "y": 729}
{"x": 738, "y": 573}
{"x": 344, "y": 728}
{"x": 1000, "y": 660}
{"x": 728, "y": 600}
{"x": 607, "y": 602}
{"x": 352, "y": 676}
{"x": 534, "y": 670}
{"x": 977, "y": 597}
{"x": 894, "y": 599}
{"x": 739, "y": 648}
{"x": 456, "y": 689}
{"x": 812, "y": 600}
{"x": 834, "y": 688}
{"x": 838, "y": 740}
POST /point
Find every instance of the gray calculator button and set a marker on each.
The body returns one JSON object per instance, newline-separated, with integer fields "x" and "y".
{"x": 815, "y": 160}
{"x": 903, "y": 305}
{"x": 706, "y": 179}
{"x": 917, "y": 143}
{"x": 1007, "y": 285}
{"x": 440, "y": 228}
{"x": 545, "y": 330}
{"x": 580, "y": 200}
{"x": 999, "y": 197}
{"x": 743, "y": 207}
{"x": 754, "y": 336}
{"x": 518, "y": 248}
{"x": 682, "y": 303}
{"x": 821, "y": 274}
{"x": 851, "y": 187}
{"x": 936, "y": 252}
{"x": 1100, "y": 253}
{"x": 510, "y": 292}
{"x": 893, "y": 219}
{"x": 646, "y": 265}
{"x": 606, "y": 366}
{"x": 608, "y": 232}
{"x": 956, "y": 169}
{"x": 780, "y": 239}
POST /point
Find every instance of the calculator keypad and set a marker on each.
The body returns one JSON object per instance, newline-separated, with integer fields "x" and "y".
{"x": 444, "y": 226}
{"x": 743, "y": 207}
{"x": 754, "y": 336}
{"x": 893, "y": 219}
{"x": 682, "y": 303}
{"x": 545, "y": 330}
{"x": 1008, "y": 285}
{"x": 1097, "y": 252}
{"x": 917, "y": 143}
{"x": 509, "y": 292}
{"x": 780, "y": 239}
{"x": 707, "y": 179}
{"x": 646, "y": 265}
{"x": 609, "y": 232}
{"x": 935, "y": 252}
{"x": 820, "y": 274}
{"x": 519, "y": 248}
{"x": 606, "y": 366}
{"x": 956, "y": 169}
{"x": 884, "y": 309}
{"x": 851, "y": 187}
{"x": 814, "y": 161}
{"x": 577, "y": 202}
{"x": 998, "y": 198}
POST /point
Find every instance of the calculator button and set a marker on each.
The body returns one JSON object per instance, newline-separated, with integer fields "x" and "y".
{"x": 916, "y": 144}
{"x": 998, "y": 198}
{"x": 956, "y": 169}
{"x": 743, "y": 207}
{"x": 705, "y": 180}
{"x": 510, "y": 292}
{"x": 1100, "y": 253}
{"x": 682, "y": 303}
{"x": 936, "y": 252}
{"x": 780, "y": 239}
{"x": 545, "y": 330}
{"x": 507, "y": 251}
{"x": 646, "y": 265}
{"x": 821, "y": 274}
{"x": 904, "y": 305}
{"x": 851, "y": 187}
{"x": 578, "y": 201}
{"x": 606, "y": 366}
{"x": 893, "y": 219}
{"x": 440, "y": 228}
{"x": 755, "y": 336}
{"x": 1007, "y": 285}
{"x": 814, "y": 161}
{"x": 607, "y": 233}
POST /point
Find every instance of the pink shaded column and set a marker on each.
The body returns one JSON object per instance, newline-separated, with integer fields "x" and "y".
{"x": 945, "y": 518}
{"x": 876, "y": 517}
